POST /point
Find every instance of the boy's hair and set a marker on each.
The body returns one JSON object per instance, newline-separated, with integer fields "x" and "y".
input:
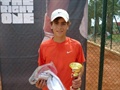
{"x": 56, "y": 20}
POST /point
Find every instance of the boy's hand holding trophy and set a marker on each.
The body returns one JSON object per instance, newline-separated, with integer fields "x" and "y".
{"x": 76, "y": 69}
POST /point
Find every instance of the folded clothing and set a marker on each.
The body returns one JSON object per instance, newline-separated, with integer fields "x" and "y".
{"x": 47, "y": 72}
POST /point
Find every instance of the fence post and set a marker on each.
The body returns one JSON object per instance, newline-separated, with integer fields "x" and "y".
{"x": 112, "y": 24}
{"x": 95, "y": 18}
{"x": 104, "y": 12}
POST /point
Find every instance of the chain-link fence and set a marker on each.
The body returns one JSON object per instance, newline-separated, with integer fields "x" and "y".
{"x": 111, "y": 76}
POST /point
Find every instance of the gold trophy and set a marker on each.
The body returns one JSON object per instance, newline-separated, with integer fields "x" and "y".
{"x": 76, "y": 68}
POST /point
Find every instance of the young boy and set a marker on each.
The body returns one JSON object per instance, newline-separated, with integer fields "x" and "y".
{"x": 62, "y": 51}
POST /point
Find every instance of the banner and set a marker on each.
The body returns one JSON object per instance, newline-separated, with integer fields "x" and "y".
{"x": 24, "y": 24}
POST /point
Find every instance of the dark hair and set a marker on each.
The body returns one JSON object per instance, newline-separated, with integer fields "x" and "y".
{"x": 56, "y": 20}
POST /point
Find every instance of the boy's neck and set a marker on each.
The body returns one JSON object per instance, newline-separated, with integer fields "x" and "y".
{"x": 59, "y": 40}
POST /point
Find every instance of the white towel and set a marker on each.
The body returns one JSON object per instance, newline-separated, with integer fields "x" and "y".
{"x": 47, "y": 72}
{"x": 53, "y": 82}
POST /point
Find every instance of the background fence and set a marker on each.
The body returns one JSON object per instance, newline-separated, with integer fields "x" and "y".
{"x": 111, "y": 76}
{"x": 112, "y": 23}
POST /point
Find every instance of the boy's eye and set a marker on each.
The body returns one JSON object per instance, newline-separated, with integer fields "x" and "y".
{"x": 63, "y": 23}
{"x": 56, "y": 22}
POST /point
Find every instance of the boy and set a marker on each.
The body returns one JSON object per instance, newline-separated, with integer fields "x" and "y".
{"x": 62, "y": 51}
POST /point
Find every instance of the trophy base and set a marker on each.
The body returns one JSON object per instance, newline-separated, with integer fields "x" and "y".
{"x": 71, "y": 88}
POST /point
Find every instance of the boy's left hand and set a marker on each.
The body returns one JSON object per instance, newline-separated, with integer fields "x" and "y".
{"x": 76, "y": 82}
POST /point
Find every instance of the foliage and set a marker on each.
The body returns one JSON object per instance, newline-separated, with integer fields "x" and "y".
{"x": 96, "y": 6}
{"x": 116, "y": 37}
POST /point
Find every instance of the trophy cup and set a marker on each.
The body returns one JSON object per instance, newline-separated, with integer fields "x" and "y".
{"x": 76, "y": 68}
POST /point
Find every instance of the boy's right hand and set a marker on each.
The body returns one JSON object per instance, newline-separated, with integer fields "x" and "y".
{"x": 41, "y": 83}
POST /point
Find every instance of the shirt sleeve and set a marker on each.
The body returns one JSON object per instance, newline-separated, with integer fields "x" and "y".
{"x": 80, "y": 55}
{"x": 41, "y": 60}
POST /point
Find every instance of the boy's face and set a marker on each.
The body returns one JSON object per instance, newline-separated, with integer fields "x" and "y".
{"x": 59, "y": 27}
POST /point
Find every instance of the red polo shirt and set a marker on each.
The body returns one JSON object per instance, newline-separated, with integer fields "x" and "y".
{"x": 61, "y": 54}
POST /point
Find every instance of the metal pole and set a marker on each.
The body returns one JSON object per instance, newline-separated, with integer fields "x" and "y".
{"x": 102, "y": 44}
{"x": 95, "y": 16}
{"x": 112, "y": 25}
